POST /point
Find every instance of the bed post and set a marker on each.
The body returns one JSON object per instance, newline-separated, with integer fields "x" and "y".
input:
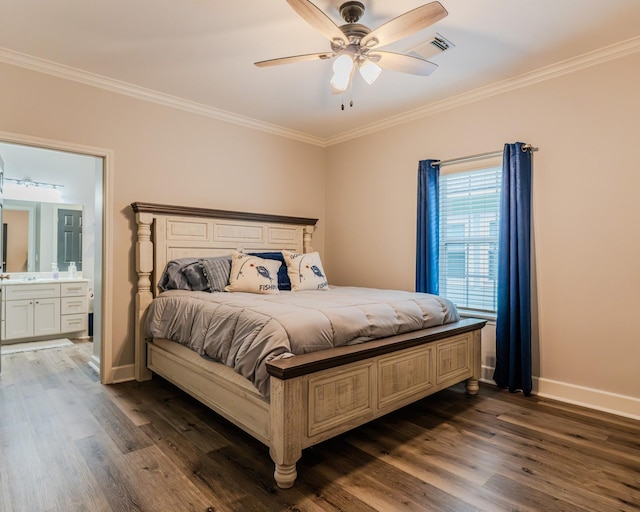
{"x": 306, "y": 239}
{"x": 144, "y": 267}
{"x": 286, "y": 429}
{"x": 472, "y": 384}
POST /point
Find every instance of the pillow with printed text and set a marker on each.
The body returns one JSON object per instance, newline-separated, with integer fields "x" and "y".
{"x": 253, "y": 274}
{"x": 305, "y": 271}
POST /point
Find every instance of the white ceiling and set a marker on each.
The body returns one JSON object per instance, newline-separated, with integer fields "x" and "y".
{"x": 203, "y": 51}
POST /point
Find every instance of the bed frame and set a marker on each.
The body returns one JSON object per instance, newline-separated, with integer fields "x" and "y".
{"x": 314, "y": 396}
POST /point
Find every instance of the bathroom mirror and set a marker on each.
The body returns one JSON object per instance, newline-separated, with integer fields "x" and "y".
{"x": 37, "y": 234}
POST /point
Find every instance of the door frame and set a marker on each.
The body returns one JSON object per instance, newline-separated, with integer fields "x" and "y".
{"x": 106, "y": 303}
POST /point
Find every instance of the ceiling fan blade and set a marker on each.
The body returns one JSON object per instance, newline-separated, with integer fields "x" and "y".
{"x": 405, "y": 25}
{"x": 294, "y": 58}
{"x": 412, "y": 64}
{"x": 318, "y": 20}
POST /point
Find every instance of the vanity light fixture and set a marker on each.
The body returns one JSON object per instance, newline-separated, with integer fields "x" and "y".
{"x": 26, "y": 189}
{"x": 28, "y": 182}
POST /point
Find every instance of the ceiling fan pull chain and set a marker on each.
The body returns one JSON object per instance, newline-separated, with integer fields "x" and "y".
{"x": 342, "y": 103}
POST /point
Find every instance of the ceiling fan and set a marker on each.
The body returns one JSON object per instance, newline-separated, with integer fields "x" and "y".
{"x": 355, "y": 45}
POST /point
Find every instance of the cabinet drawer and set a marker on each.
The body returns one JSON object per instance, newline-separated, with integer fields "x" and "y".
{"x": 73, "y": 289}
{"x": 32, "y": 291}
{"x": 74, "y": 305}
{"x": 72, "y": 323}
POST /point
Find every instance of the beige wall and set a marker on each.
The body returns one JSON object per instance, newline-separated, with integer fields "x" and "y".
{"x": 164, "y": 155}
{"x": 585, "y": 214}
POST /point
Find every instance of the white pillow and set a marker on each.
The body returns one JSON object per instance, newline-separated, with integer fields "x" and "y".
{"x": 305, "y": 271}
{"x": 253, "y": 274}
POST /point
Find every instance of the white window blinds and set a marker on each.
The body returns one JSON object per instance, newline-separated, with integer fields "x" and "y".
{"x": 469, "y": 216}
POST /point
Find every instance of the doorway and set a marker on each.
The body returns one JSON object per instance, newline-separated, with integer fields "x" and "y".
{"x": 82, "y": 177}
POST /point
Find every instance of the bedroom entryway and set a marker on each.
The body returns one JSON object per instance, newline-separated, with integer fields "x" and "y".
{"x": 46, "y": 185}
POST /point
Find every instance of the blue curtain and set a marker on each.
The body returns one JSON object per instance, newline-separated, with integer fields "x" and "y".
{"x": 513, "y": 325}
{"x": 427, "y": 246}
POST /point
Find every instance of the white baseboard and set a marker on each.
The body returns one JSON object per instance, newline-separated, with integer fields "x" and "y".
{"x": 123, "y": 373}
{"x": 94, "y": 364}
{"x": 596, "y": 399}
{"x": 487, "y": 375}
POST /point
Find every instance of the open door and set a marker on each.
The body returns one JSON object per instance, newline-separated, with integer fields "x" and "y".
{"x": 69, "y": 238}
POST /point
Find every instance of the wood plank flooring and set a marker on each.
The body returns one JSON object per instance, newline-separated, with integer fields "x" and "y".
{"x": 68, "y": 443}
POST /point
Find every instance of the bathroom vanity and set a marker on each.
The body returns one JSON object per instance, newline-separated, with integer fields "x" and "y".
{"x": 43, "y": 308}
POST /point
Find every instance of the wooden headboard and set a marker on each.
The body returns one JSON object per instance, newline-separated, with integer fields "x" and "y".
{"x": 166, "y": 232}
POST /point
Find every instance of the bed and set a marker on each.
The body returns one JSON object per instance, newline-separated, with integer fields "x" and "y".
{"x": 312, "y": 396}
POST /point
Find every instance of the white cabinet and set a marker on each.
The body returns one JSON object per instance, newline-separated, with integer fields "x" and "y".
{"x": 27, "y": 318}
{"x": 38, "y": 310}
{"x": 74, "y": 306}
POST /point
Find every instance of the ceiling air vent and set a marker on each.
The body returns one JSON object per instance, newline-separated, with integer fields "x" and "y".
{"x": 434, "y": 45}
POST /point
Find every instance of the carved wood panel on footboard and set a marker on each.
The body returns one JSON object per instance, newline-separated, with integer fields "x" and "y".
{"x": 360, "y": 392}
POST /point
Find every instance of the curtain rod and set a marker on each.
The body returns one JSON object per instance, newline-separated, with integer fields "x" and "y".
{"x": 525, "y": 147}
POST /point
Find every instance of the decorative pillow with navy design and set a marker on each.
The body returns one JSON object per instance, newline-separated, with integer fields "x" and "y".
{"x": 305, "y": 271}
{"x": 253, "y": 274}
{"x": 283, "y": 278}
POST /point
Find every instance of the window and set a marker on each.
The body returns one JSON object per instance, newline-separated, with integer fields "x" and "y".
{"x": 469, "y": 217}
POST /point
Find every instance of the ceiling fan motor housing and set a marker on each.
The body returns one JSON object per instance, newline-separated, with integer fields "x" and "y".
{"x": 354, "y": 31}
{"x": 351, "y": 12}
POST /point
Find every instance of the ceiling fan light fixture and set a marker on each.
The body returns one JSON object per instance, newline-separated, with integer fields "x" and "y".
{"x": 352, "y": 43}
{"x": 343, "y": 68}
{"x": 369, "y": 71}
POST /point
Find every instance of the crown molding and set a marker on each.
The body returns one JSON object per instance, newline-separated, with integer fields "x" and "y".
{"x": 586, "y": 60}
{"x": 117, "y": 86}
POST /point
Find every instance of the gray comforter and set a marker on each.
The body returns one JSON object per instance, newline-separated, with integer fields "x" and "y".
{"x": 245, "y": 330}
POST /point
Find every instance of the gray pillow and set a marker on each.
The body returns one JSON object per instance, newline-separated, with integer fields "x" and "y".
{"x": 172, "y": 278}
{"x": 195, "y": 275}
{"x": 216, "y": 271}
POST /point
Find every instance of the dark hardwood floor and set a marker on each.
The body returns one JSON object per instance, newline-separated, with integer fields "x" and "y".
{"x": 68, "y": 443}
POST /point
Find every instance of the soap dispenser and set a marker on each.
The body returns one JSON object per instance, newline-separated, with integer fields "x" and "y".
{"x": 55, "y": 273}
{"x": 72, "y": 269}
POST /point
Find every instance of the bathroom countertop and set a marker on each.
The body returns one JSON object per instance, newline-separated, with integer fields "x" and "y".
{"x": 41, "y": 280}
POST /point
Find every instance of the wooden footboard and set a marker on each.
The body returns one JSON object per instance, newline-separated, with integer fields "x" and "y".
{"x": 320, "y": 395}
{"x": 317, "y": 396}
